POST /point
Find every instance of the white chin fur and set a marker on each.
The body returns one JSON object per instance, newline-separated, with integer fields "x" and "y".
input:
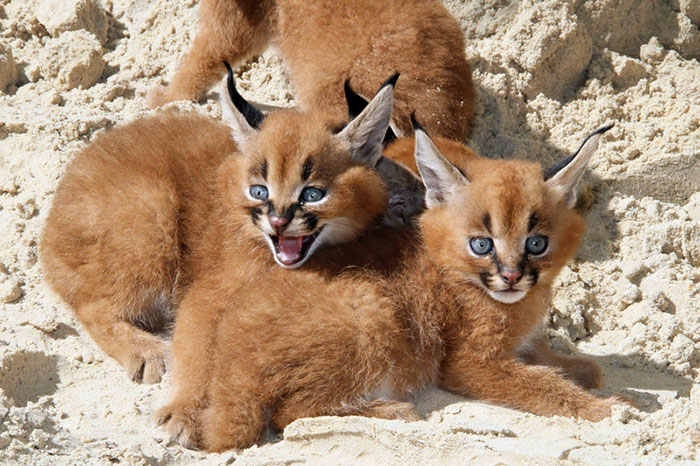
{"x": 507, "y": 297}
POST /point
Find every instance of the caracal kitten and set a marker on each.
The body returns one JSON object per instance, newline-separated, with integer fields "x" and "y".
{"x": 323, "y": 43}
{"x": 537, "y": 350}
{"x": 471, "y": 290}
{"x": 128, "y": 227}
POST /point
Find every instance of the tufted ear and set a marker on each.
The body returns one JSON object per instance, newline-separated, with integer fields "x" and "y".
{"x": 564, "y": 176}
{"x": 357, "y": 103}
{"x": 365, "y": 133}
{"x": 440, "y": 177}
{"x": 242, "y": 117}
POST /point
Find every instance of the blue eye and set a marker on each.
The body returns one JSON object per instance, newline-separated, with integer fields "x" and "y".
{"x": 536, "y": 244}
{"x": 258, "y": 191}
{"x": 481, "y": 246}
{"x": 312, "y": 194}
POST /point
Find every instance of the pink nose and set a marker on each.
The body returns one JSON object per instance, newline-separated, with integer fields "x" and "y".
{"x": 278, "y": 223}
{"x": 511, "y": 277}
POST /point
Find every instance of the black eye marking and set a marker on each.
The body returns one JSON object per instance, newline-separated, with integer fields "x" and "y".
{"x": 255, "y": 214}
{"x": 484, "y": 276}
{"x": 270, "y": 208}
{"x": 534, "y": 220}
{"x": 535, "y": 275}
{"x": 487, "y": 223}
{"x": 291, "y": 210}
{"x": 311, "y": 220}
{"x": 307, "y": 169}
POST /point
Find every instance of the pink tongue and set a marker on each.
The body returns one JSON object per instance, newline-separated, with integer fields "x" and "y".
{"x": 289, "y": 248}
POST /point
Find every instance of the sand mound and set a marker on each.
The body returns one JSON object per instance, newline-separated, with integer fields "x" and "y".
{"x": 547, "y": 72}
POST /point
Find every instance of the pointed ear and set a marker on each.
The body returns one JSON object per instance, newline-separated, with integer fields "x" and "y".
{"x": 357, "y": 103}
{"x": 439, "y": 176}
{"x": 238, "y": 113}
{"x": 365, "y": 133}
{"x": 564, "y": 176}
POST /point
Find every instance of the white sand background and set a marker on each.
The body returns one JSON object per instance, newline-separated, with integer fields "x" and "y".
{"x": 547, "y": 72}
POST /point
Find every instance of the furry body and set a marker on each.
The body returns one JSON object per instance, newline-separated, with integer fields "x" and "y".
{"x": 332, "y": 340}
{"x": 117, "y": 241}
{"x": 325, "y": 42}
{"x": 130, "y": 222}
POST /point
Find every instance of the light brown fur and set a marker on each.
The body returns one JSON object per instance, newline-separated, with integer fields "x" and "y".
{"x": 327, "y": 340}
{"x": 325, "y": 42}
{"x": 129, "y": 226}
{"x": 112, "y": 245}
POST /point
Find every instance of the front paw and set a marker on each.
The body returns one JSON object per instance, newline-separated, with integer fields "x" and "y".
{"x": 180, "y": 421}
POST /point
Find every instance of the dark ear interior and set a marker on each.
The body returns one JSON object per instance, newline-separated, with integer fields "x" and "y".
{"x": 253, "y": 116}
{"x": 357, "y": 103}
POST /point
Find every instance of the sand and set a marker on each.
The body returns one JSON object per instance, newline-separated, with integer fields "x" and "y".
{"x": 547, "y": 72}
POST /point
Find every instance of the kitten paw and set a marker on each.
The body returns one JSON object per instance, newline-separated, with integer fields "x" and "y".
{"x": 393, "y": 410}
{"x": 179, "y": 420}
{"x": 148, "y": 365}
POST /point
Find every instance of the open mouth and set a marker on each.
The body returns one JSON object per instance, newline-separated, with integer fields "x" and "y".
{"x": 292, "y": 250}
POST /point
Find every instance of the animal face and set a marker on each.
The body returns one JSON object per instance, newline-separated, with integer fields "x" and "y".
{"x": 504, "y": 226}
{"x": 300, "y": 185}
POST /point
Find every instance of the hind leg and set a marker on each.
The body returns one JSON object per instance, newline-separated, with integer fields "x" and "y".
{"x": 582, "y": 372}
{"x": 142, "y": 354}
{"x": 230, "y": 30}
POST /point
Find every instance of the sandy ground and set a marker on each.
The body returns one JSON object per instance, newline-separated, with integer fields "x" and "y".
{"x": 547, "y": 72}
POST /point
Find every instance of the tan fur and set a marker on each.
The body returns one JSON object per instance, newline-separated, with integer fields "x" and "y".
{"x": 536, "y": 350}
{"x": 325, "y": 42}
{"x": 112, "y": 245}
{"x": 332, "y": 340}
{"x": 129, "y": 226}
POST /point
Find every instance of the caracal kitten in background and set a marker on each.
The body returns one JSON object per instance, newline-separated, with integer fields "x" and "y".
{"x": 127, "y": 231}
{"x": 472, "y": 288}
{"x": 323, "y": 43}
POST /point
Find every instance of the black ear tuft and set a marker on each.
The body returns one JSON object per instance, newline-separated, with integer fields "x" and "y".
{"x": 414, "y": 122}
{"x": 357, "y": 103}
{"x": 392, "y": 80}
{"x": 253, "y": 116}
{"x": 554, "y": 169}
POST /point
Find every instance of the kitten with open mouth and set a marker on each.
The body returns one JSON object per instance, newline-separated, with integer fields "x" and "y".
{"x": 290, "y": 251}
{"x": 322, "y": 183}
